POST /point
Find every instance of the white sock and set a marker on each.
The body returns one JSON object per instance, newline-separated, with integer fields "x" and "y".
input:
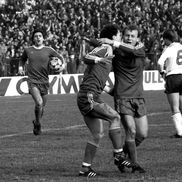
{"x": 118, "y": 150}
{"x": 86, "y": 164}
{"x": 177, "y": 120}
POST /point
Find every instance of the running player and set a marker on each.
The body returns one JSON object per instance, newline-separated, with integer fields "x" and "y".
{"x": 170, "y": 63}
{"x": 92, "y": 107}
{"x": 37, "y": 58}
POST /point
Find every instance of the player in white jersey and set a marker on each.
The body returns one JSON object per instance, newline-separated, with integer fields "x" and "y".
{"x": 170, "y": 67}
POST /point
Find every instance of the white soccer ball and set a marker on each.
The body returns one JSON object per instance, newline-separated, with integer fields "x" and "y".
{"x": 56, "y": 64}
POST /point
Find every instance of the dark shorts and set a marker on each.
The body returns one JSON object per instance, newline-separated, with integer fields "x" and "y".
{"x": 131, "y": 106}
{"x": 93, "y": 106}
{"x": 174, "y": 84}
{"x": 43, "y": 87}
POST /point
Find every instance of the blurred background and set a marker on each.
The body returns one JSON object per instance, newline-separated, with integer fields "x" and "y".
{"x": 68, "y": 22}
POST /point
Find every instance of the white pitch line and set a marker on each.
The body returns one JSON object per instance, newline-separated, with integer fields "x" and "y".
{"x": 157, "y": 113}
{"x": 44, "y": 130}
{"x": 78, "y": 126}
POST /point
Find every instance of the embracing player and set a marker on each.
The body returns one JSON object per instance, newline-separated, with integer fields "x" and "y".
{"x": 93, "y": 108}
{"x": 128, "y": 65}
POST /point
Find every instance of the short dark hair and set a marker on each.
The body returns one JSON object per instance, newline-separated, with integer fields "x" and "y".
{"x": 169, "y": 35}
{"x": 131, "y": 28}
{"x": 109, "y": 30}
{"x": 37, "y": 30}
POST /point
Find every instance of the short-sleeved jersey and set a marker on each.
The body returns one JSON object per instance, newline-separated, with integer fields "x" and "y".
{"x": 96, "y": 74}
{"x": 128, "y": 66}
{"x": 38, "y": 63}
{"x": 171, "y": 59}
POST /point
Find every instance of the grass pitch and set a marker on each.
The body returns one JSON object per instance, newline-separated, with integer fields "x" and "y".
{"x": 56, "y": 155}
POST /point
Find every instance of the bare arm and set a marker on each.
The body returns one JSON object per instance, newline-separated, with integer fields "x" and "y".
{"x": 137, "y": 50}
{"x": 109, "y": 90}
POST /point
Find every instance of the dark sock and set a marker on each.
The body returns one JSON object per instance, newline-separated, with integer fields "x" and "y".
{"x": 125, "y": 149}
{"x": 115, "y": 136}
{"x": 38, "y": 113}
{"x": 90, "y": 152}
{"x": 131, "y": 146}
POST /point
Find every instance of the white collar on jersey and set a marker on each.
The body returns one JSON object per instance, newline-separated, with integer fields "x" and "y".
{"x": 38, "y": 47}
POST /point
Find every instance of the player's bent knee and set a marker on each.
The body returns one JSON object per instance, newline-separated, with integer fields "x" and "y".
{"x": 39, "y": 105}
{"x": 144, "y": 135}
{"x": 115, "y": 124}
{"x": 131, "y": 134}
{"x": 97, "y": 137}
{"x": 117, "y": 118}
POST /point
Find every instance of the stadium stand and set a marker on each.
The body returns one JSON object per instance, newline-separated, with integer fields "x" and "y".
{"x": 67, "y": 22}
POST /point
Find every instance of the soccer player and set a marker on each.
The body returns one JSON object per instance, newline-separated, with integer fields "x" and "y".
{"x": 37, "y": 58}
{"x": 128, "y": 66}
{"x": 93, "y": 108}
{"x": 170, "y": 67}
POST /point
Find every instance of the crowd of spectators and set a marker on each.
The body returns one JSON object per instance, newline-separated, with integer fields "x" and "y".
{"x": 67, "y": 22}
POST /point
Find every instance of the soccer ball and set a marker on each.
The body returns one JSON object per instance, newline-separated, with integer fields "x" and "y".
{"x": 56, "y": 64}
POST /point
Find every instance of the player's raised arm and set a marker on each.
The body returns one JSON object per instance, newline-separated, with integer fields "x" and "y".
{"x": 91, "y": 59}
{"x": 137, "y": 50}
{"x": 102, "y": 54}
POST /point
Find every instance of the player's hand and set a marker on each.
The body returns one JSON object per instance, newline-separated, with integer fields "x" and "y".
{"x": 163, "y": 74}
{"x": 59, "y": 70}
{"x": 21, "y": 71}
{"x": 110, "y": 57}
{"x": 109, "y": 90}
{"x": 106, "y": 41}
{"x": 106, "y": 60}
{"x": 139, "y": 45}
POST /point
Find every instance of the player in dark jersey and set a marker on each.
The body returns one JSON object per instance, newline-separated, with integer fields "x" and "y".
{"x": 128, "y": 66}
{"x": 93, "y": 108}
{"x": 37, "y": 58}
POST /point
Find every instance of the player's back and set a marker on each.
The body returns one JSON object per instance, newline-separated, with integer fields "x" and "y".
{"x": 96, "y": 75}
{"x": 173, "y": 62}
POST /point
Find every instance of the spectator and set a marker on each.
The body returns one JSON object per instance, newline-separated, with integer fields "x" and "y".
{"x": 66, "y": 21}
{"x": 65, "y": 55}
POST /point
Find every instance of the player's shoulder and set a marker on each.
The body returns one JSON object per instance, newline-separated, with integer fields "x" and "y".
{"x": 28, "y": 49}
{"x": 174, "y": 45}
{"x": 49, "y": 48}
{"x": 102, "y": 51}
{"x": 173, "y": 48}
{"x": 178, "y": 44}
